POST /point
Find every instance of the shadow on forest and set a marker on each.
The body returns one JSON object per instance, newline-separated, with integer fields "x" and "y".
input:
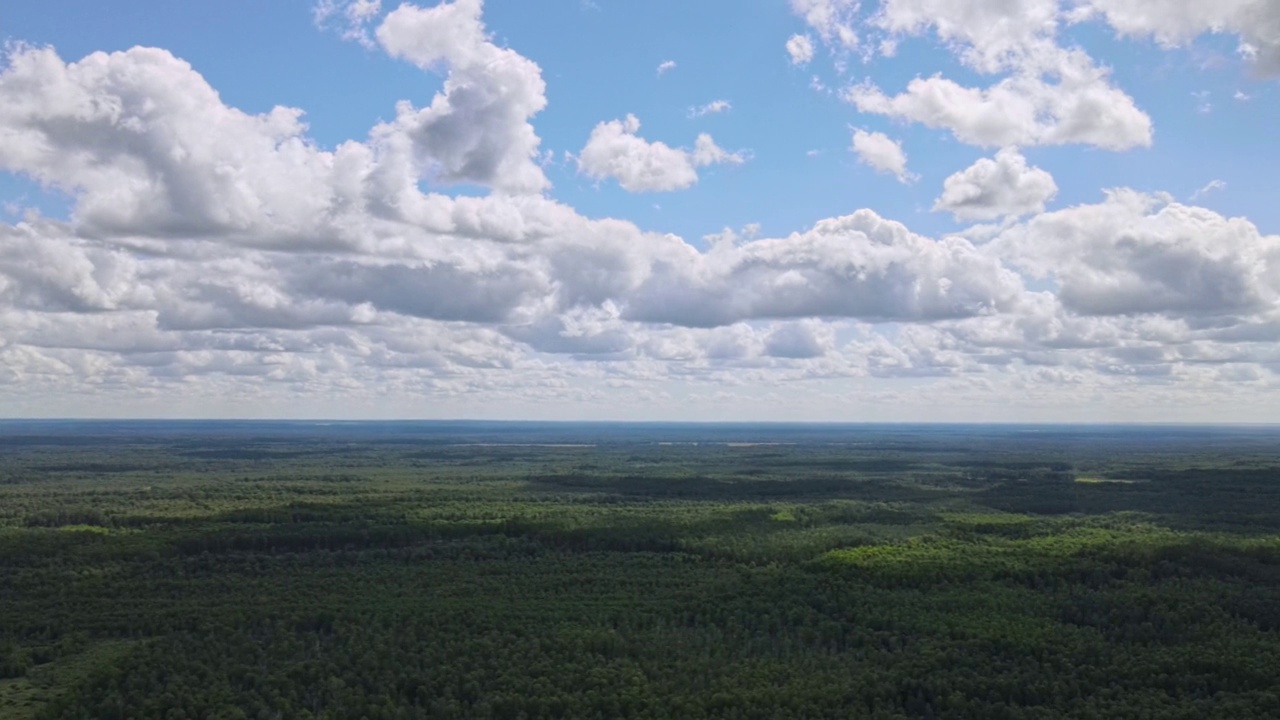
{"x": 1244, "y": 501}
{"x": 732, "y": 488}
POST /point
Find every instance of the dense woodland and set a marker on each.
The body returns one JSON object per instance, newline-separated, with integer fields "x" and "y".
{"x": 205, "y": 571}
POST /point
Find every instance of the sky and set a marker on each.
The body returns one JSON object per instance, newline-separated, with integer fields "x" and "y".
{"x": 773, "y": 210}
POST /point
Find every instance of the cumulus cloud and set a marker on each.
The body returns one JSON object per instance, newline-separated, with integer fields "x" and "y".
{"x": 993, "y": 187}
{"x": 1025, "y": 109}
{"x": 44, "y": 268}
{"x": 857, "y": 266}
{"x": 145, "y": 146}
{"x": 1047, "y": 95}
{"x": 484, "y": 292}
{"x": 1176, "y": 22}
{"x": 1140, "y": 253}
{"x": 477, "y": 129}
{"x": 989, "y": 35}
{"x": 614, "y": 150}
{"x": 800, "y": 49}
{"x": 215, "y": 256}
{"x": 881, "y": 152}
{"x": 666, "y": 66}
{"x": 803, "y": 339}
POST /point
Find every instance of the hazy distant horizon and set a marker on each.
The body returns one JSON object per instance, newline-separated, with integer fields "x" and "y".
{"x": 572, "y": 421}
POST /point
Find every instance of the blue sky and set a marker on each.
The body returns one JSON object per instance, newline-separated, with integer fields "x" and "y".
{"x": 1046, "y": 311}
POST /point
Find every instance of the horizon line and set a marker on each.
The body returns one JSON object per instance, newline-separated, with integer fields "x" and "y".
{"x": 529, "y": 421}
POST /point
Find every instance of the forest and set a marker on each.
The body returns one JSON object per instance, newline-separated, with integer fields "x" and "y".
{"x": 401, "y": 571}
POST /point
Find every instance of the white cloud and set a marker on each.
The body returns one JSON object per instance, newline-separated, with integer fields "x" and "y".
{"x": 990, "y": 188}
{"x": 146, "y": 147}
{"x": 800, "y": 49}
{"x": 989, "y": 35}
{"x": 881, "y": 152}
{"x": 353, "y": 17}
{"x": 666, "y": 66}
{"x": 706, "y": 152}
{"x": 1177, "y": 22}
{"x": 477, "y": 128}
{"x": 802, "y": 339}
{"x": 712, "y": 108}
{"x": 1047, "y": 95}
{"x": 1209, "y": 187}
{"x": 43, "y": 269}
{"x": 857, "y": 266}
{"x": 833, "y": 20}
{"x": 1138, "y": 253}
{"x": 614, "y": 150}
{"x": 217, "y": 260}
{"x": 1081, "y": 107}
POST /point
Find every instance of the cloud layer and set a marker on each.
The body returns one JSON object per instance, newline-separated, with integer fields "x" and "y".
{"x": 221, "y": 254}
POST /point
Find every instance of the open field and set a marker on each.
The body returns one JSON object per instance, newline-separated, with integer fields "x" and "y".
{"x": 488, "y": 570}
